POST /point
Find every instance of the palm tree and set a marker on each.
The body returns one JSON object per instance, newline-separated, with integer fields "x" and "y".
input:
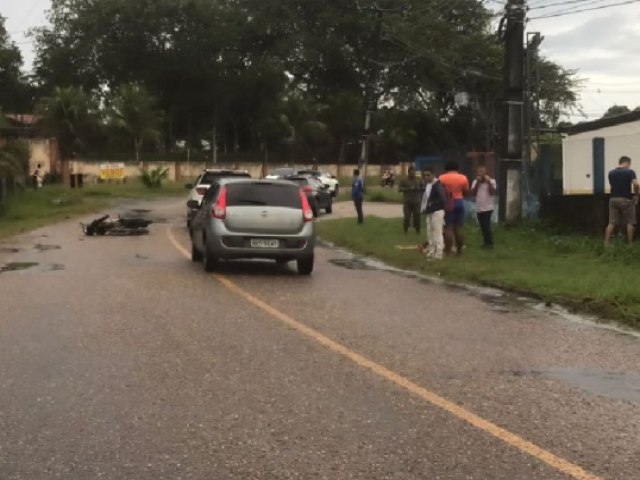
{"x": 69, "y": 115}
{"x": 133, "y": 109}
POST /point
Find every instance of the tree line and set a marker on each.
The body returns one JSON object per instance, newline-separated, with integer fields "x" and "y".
{"x": 285, "y": 76}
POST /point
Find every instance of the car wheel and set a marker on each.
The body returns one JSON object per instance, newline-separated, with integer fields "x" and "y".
{"x": 305, "y": 265}
{"x": 209, "y": 260}
{"x": 329, "y": 208}
{"x": 196, "y": 256}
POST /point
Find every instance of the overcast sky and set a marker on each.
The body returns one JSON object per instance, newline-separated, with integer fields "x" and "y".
{"x": 603, "y": 45}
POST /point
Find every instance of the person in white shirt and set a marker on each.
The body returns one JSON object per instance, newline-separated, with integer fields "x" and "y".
{"x": 433, "y": 202}
{"x": 484, "y": 189}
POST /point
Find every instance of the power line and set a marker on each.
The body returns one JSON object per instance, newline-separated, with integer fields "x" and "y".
{"x": 561, "y": 4}
{"x": 587, "y": 3}
{"x": 628, "y": 2}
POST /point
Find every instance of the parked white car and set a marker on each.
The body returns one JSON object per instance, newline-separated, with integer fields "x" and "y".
{"x": 331, "y": 182}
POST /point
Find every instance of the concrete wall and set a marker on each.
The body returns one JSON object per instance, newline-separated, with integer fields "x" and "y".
{"x": 41, "y": 154}
{"x": 182, "y": 171}
{"x": 578, "y": 172}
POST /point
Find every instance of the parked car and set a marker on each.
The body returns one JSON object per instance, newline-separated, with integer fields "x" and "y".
{"x": 204, "y": 181}
{"x": 241, "y": 218}
{"x": 333, "y": 186}
{"x": 317, "y": 193}
{"x": 282, "y": 172}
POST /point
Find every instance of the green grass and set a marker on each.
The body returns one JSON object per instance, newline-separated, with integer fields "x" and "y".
{"x": 374, "y": 192}
{"x": 29, "y": 210}
{"x": 572, "y": 270}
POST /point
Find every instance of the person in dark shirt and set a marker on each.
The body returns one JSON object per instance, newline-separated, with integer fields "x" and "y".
{"x": 357, "y": 194}
{"x": 622, "y": 204}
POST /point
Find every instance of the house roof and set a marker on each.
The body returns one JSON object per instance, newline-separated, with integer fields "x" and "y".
{"x": 24, "y": 119}
{"x": 604, "y": 122}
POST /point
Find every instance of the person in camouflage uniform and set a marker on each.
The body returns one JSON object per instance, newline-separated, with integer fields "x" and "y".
{"x": 412, "y": 189}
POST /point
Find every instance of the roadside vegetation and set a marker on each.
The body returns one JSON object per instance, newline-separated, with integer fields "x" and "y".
{"x": 374, "y": 192}
{"x": 31, "y": 209}
{"x": 567, "y": 269}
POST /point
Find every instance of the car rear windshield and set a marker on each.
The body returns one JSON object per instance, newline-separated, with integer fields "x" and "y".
{"x": 210, "y": 178}
{"x": 313, "y": 173}
{"x": 299, "y": 181}
{"x": 263, "y": 194}
{"x": 283, "y": 172}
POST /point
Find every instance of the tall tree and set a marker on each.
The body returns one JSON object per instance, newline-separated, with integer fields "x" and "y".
{"x": 616, "y": 110}
{"x": 133, "y": 110}
{"x": 15, "y": 93}
{"x": 70, "y": 115}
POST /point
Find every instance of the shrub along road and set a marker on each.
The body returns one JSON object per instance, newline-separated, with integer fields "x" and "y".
{"x": 122, "y": 359}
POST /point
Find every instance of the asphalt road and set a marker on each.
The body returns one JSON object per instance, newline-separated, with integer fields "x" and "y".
{"x": 120, "y": 359}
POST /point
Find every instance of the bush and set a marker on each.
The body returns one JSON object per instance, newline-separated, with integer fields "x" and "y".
{"x": 154, "y": 178}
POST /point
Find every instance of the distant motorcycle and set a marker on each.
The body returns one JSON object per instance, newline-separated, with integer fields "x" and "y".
{"x": 388, "y": 180}
{"x": 116, "y": 227}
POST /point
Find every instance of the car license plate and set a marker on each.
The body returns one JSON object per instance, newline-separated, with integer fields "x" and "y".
{"x": 264, "y": 243}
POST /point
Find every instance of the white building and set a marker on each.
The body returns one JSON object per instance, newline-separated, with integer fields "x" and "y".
{"x": 592, "y": 149}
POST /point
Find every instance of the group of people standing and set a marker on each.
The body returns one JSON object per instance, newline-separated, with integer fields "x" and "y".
{"x": 441, "y": 200}
{"x": 443, "y": 204}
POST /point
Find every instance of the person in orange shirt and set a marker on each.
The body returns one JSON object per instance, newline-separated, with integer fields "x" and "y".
{"x": 457, "y": 187}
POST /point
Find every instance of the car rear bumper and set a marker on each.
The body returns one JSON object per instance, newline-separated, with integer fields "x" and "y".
{"x": 228, "y": 245}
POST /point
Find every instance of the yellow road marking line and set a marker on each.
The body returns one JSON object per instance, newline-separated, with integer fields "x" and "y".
{"x": 512, "y": 439}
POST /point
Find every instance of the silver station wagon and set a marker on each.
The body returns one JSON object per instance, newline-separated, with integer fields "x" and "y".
{"x": 244, "y": 218}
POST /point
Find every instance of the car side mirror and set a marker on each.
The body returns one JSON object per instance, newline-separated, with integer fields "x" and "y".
{"x": 193, "y": 205}
{"x": 188, "y": 186}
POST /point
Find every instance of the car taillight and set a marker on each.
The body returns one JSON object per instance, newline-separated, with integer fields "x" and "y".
{"x": 201, "y": 190}
{"x": 307, "y": 213}
{"x": 307, "y": 189}
{"x": 219, "y": 210}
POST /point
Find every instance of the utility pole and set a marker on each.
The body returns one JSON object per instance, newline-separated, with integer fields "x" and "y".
{"x": 371, "y": 95}
{"x": 371, "y": 99}
{"x": 510, "y": 185}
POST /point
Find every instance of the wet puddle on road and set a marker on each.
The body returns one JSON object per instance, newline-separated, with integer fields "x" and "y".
{"x": 45, "y": 248}
{"x": 352, "y": 264}
{"x": 35, "y": 266}
{"x": 616, "y": 385}
{"x": 17, "y": 266}
{"x": 500, "y": 301}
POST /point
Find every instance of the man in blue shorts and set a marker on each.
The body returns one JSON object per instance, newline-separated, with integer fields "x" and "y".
{"x": 622, "y": 203}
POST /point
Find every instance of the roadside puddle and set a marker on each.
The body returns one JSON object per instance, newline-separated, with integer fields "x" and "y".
{"x": 500, "y": 301}
{"x": 615, "y": 385}
{"x": 352, "y": 264}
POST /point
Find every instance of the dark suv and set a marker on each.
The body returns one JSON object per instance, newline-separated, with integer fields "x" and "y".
{"x": 317, "y": 193}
